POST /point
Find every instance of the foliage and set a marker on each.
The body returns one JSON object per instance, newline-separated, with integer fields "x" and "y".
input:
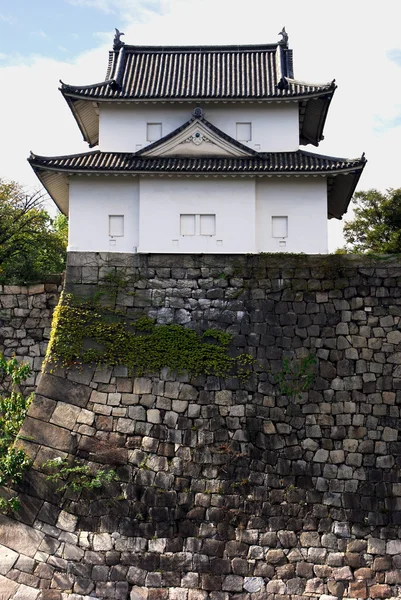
{"x": 32, "y": 244}
{"x": 77, "y": 477}
{"x": 86, "y": 333}
{"x": 13, "y": 407}
{"x": 296, "y": 376}
{"x": 376, "y": 227}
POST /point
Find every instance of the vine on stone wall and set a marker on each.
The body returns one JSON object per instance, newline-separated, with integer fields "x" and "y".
{"x": 85, "y": 332}
{"x": 13, "y": 408}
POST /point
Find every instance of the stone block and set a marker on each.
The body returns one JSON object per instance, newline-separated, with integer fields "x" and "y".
{"x": 393, "y": 547}
{"x": 48, "y": 435}
{"x": 62, "y": 390}
{"x": 65, "y": 415}
{"x": 380, "y": 591}
{"x": 253, "y": 584}
{"x": 233, "y": 583}
{"x": 7, "y": 588}
{"x": 41, "y": 408}
{"x": 26, "y": 593}
{"x": 142, "y": 385}
{"x": 7, "y": 559}
{"x": 19, "y": 537}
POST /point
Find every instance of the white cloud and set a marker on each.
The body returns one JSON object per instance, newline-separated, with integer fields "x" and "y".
{"x": 7, "y": 19}
{"x": 40, "y": 34}
{"x": 354, "y": 50}
{"x": 128, "y": 10}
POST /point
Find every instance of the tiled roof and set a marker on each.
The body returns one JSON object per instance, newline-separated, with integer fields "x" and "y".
{"x": 203, "y": 73}
{"x": 270, "y": 162}
{"x": 208, "y": 72}
{"x": 343, "y": 174}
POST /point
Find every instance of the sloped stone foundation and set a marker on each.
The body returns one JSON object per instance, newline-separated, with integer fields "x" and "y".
{"x": 226, "y": 490}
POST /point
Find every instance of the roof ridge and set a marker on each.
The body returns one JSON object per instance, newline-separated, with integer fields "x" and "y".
{"x": 328, "y": 84}
{"x": 65, "y": 86}
{"x": 34, "y": 156}
{"x": 338, "y": 158}
{"x": 202, "y": 47}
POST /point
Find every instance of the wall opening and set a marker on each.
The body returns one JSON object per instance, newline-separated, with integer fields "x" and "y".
{"x": 116, "y": 225}
{"x": 153, "y": 132}
{"x": 279, "y": 227}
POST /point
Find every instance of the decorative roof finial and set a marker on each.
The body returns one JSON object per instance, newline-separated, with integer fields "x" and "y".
{"x": 197, "y": 113}
{"x": 117, "y": 43}
{"x": 283, "y": 41}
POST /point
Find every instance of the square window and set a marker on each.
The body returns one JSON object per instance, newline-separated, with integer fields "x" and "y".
{"x": 207, "y": 224}
{"x": 153, "y": 132}
{"x": 116, "y": 225}
{"x": 244, "y": 132}
{"x": 187, "y": 224}
{"x": 280, "y": 227}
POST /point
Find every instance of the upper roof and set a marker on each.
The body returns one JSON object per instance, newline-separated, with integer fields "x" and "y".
{"x": 200, "y": 73}
{"x": 196, "y": 73}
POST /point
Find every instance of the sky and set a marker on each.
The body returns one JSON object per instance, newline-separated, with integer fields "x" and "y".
{"x": 357, "y": 42}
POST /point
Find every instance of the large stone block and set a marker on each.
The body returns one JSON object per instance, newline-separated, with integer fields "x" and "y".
{"x": 48, "y": 435}
{"x": 7, "y": 588}
{"x": 63, "y": 390}
{"x": 19, "y": 537}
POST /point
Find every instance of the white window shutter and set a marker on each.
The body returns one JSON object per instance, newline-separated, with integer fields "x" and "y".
{"x": 207, "y": 224}
{"x": 153, "y": 132}
{"x": 187, "y": 224}
{"x": 116, "y": 225}
{"x": 244, "y": 132}
{"x": 280, "y": 227}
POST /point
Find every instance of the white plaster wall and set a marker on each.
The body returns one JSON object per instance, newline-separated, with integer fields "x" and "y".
{"x": 92, "y": 200}
{"x": 164, "y": 199}
{"x": 275, "y": 127}
{"x": 304, "y": 201}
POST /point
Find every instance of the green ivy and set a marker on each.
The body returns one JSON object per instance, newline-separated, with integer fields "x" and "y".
{"x": 13, "y": 408}
{"x": 89, "y": 333}
{"x": 296, "y": 376}
{"x": 76, "y": 476}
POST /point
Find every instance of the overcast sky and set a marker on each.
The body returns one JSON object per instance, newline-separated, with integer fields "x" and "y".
{"x": 357, "y": 42}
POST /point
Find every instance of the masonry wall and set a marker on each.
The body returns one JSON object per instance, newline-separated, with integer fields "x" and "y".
{"x": 25, "y": 322}
{"x": 227, "y": 490}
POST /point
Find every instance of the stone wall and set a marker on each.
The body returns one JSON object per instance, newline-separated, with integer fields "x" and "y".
{"x": 25, "y": 322}
{"x": 227, "y": 491}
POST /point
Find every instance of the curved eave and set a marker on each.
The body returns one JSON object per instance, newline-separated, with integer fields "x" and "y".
{"x": 312, "y": 118}
{"x": 86, "y": 115}
{"x": 340, "y": 191}
{"x": 341, "y": 182}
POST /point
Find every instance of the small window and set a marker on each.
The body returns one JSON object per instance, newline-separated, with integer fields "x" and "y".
{"x": 153, "y": 132}
{"x": 116, "y": 225}
{"x": 197, "y": 224}
{"x": 207, "y": 224}
{"x": 244, "y": 132}
{"x": 280, "y": 227}
{"x": 187, "y": 224}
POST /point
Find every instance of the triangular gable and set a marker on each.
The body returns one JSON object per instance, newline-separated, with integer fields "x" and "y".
{"x": 197, "y": 138}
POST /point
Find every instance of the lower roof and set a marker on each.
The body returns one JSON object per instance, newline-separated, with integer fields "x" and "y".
{"x": 343, "y": 174}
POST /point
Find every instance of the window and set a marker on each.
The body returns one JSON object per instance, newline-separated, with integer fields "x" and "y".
{"x": 116, "y": 225}
{"x": 244, "y": 132}
{"x": 280, "y": 227}
{"x": 187, "y": 224}
{"x": 207, "y": 224}
{"x": 198, "y": 225}
{"x": 153, "y": 132}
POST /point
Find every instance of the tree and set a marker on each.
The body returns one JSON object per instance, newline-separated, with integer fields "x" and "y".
{"x": 32, "y": 244}
{"x": 376, "y": 227}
